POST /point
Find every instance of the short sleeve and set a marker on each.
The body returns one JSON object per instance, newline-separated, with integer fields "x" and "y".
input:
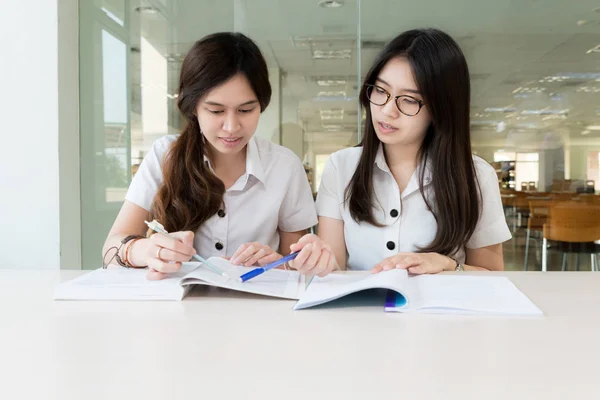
{"x": 145, "y": 183}
{"x": 329, "y": 201}
{"x": 297, "y": 211}
{"x": 491, "y": 228}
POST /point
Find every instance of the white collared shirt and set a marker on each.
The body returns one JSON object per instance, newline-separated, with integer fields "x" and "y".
{"x": 272, "y": 194}
{"x": 408, "y": 223}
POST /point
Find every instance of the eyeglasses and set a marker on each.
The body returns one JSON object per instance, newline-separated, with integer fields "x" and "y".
{"x": 111, "y": 254}
{"x": 407, "y": 105}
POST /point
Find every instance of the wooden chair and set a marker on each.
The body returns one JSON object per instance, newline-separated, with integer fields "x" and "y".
{"x": 538, "y": 216}
{"x": 521, "y": 207}
{"x": 590, "y": 186}
{"x": 521, "y": 204}
{"x": 575, "y": 226}
{"x": 562, "y": 195}
{"x": 589, "y": 198}
{"x": 510, "y": 209}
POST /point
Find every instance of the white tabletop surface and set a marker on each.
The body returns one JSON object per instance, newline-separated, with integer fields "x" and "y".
{"x": 218, "y": 344}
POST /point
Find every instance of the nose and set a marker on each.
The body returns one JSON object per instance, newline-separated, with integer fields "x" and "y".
{"x": 390, "y": 109}
{"x": 231, "y": 123}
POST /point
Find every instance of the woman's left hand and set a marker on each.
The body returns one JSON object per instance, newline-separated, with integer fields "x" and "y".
{"x": 254, "y": 253}
{"x": 416, "y": 263}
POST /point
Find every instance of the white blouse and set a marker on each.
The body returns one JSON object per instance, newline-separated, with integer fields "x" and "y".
{"x": 272, "y": 194}
{"x": 408, "y": 223}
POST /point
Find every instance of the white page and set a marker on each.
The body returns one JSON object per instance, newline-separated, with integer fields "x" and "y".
{"x": 337, "y": 285}
{"x": 276, "y": 282}
{"x": 118, "y": 283}
{"x": 466, "y": 294}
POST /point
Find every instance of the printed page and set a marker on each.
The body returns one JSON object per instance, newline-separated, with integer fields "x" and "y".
{"x": 276, "y": 282}
{"x": 119, "y": 283}
{"x": 336, "y": 285}
{"x": 466, "y": 294}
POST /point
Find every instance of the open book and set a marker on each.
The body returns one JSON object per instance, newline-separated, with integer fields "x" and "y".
{"x": 447, "y": 294}
{"x": 118, "y": 283}
{"x": 456, "y": 294}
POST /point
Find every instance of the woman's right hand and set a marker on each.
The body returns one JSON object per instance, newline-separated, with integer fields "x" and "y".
{"x": 315, "y": 258}
{"x": 164, "y": 255}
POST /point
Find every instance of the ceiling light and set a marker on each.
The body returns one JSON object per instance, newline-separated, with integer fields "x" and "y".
{"x": 332, "y": 114}
{"x": 146, "y": 10}
{"x": 556, "y": 97}
{"x": 545, "y": 111}
{"x": 331, "y": 82}
{"x": 332, "y": 127}
{"x": 500, "y": 109}
{"x": 593, "y": 127}
{"x": 331, "y": 3}
{"x": 334, "y": 98}
{"x": 595, "y": 49}
{"x": 562, "y": 76}
{"x": 585, "y": 132}
{"x": 534, "y": 89}
{"x": 332, "y": 111}
{"x": 174, "y": 57}
{"x": 345, "y": 54}
{"x": 588, "y": 89}
{"x": 551, "y": 79}
{"x": 332, "y": 94}
{"x": 485, "y": 123}
{"x": 554, "y": 117}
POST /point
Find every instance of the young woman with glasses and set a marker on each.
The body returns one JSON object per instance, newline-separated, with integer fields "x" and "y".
{"x": 411, "y": 195}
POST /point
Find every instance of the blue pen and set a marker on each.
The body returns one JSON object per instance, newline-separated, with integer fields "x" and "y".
{"x": 257, "y": 271}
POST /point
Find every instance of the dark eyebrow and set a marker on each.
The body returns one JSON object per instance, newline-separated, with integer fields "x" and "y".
{"x": 212, "y": 103}
{"x": 403, "y": 90}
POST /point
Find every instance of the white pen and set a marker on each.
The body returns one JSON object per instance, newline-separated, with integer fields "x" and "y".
{"x": 157, "y": 227}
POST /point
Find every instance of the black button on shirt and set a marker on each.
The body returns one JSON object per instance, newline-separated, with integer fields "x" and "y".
{"x": 394, "y": 213}
{"x": 221, "y": 213}
{"x": 218, "y": 246}
{"x": 391, "y": 245}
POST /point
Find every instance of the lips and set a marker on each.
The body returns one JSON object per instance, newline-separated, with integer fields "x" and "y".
{"x": 386, "y": 128}
{"x": 230, "y": 141}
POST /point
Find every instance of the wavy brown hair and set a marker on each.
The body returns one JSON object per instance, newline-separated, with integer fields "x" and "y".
{"x": 442, "y": 76}
{"x": 190, "y": 193}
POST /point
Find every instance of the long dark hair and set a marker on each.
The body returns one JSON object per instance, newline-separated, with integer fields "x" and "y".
{"x": 442, "y": 77}
{"x": 190, "y": 193}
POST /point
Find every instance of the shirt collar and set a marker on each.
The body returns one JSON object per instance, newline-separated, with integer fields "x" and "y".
{"x": 380, "y": 160}
{"x": 413, "y": 183}
{"x": 254, "y": 165}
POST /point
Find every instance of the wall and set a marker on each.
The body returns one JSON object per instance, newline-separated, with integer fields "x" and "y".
{"x": 29, "y": 114}
{"x": 38, "y": 142}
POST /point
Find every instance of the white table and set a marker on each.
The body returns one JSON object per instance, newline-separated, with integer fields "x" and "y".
{"x": 220, "y": 344}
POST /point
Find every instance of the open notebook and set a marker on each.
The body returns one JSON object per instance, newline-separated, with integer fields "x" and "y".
{"x": 447, "y": 294}
{"x": 118, "y": 283}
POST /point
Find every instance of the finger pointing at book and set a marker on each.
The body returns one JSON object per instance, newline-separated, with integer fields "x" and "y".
{"x": 254, "y": 253}
{"x": 416, "y": 263}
